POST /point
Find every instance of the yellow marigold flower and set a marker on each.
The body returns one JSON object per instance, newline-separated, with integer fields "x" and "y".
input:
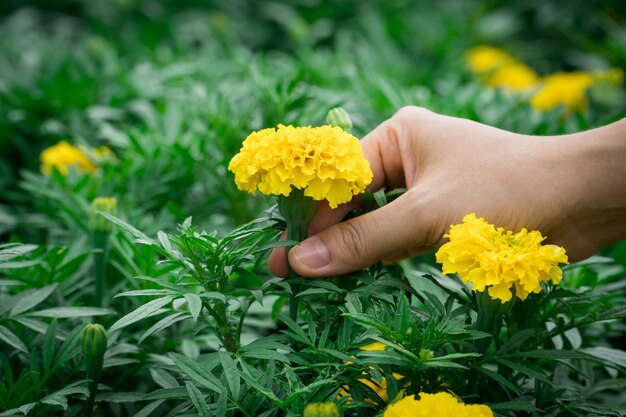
{"x": 63, "y": 156}
{"x": 564, "y": 88}
{"x": 500, "y": 260}
{"x": 515, "y": 77}
{"x": 326, "y": 162}
{"x": 321, "y": 410}
{"x": 485, "y": 58}
{"x": 441, "y": 404}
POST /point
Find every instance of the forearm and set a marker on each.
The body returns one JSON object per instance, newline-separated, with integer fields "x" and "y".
{"x": 596, "y": 183}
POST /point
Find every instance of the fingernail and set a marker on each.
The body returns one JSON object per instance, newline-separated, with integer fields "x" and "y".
{"x": 312, "y": 253}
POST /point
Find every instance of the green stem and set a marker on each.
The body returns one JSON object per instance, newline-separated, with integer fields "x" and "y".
{"x": 297, "y": 231}
{"x": 93, "y": 372}
{"x": 100, "y": 245}
{"x": 489, "y": 319}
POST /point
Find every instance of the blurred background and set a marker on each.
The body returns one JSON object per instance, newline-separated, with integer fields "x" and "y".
{"x": 173, "y": 87}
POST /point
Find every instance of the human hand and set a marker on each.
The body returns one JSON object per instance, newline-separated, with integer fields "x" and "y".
{"x": 452, "y": 167}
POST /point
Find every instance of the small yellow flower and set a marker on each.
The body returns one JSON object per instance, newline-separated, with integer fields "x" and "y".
{"x": 485, "y": 58}
{"x": 563, "y": 88}
{"x": 500, "y": 260}
{"x": 321, "y": 410}
{"x": 441, "y": 404}
{"x": 514, "y": 77}
{"x": 63, "y": 156}
{"x": 380, "y": 388}
{"x": 326, "y": 162}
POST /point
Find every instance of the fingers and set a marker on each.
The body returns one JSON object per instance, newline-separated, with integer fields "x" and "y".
{"x": 360, "y": 242}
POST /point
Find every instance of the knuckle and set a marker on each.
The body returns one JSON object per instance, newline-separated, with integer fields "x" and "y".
{"x": 411, "y": 112}
{"x": 352, "y": 241}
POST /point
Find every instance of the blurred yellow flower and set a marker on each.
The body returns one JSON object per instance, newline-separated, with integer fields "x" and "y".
{"x": 500, "y": 260}
{"x": 380, "y": 388}
{"x": 63, "y": 156}
{"x": 563, "y": 88}
{"x": 326, "y": 162}
{"x": 327, "y": 409}
{"x": 514, "y": 77}
{"x": 486, "y": 58}
{"x": 612, "y": 76}
{"x": 441, "y": 404}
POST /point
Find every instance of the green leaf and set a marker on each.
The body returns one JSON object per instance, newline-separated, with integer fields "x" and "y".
{"x": 197, "y": 372}
{"x": 525, "y": 370}
{"x": 140, "y": 313}
{"x": 11, "y": 339}
{"x": 609, "y": 356}
{"x": 162, "y": 324}
{"x": 194, "y": 304}
{"x": 71, "y": 312}
{"x": 231, "y": 372}
{"x": 148, "y": 409}
{"x": 31, "y": 299}
{"x": 198, "y": 400}
{"x": 132, "y": 230}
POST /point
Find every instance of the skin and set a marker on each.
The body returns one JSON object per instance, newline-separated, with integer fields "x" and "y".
{"x": 572, "y": 188}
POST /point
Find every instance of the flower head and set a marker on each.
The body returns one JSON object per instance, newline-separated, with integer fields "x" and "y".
{"x": 380, "y": 388}
{"x": 326, "y": 162}
{"x": 96, "y": 220}
{"x": 515, "y": 77}
{"x": 321, "y": 410}
{"x": 485, "y": 58}
{"x": 63, "y": 156}
{"x": 500, "y": 260}
{"x": 441, "y": 404}
{"x": 563, "y": 88}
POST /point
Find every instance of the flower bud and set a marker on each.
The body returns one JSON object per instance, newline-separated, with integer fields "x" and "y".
{"x": 97, "y": 222}
{"x": 94, "y": 340}
{"x": 340, "y": 118}
{"x": 321, "y": 410}
{"x": 426, "y": 354}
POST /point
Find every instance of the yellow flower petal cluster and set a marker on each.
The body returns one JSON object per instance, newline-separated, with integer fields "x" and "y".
{"x": 63, "y": 155}
{"x": 567, "y": 89}
{"x": 441, "y": 404}
{"x": 500, "y": 260}
{"x": 563, "y": 88}
{"x": 326, "y": 162}
{"x": 486, "y": 58}
{"x": 500, "y": 69}
{"x": 516, "y": 77}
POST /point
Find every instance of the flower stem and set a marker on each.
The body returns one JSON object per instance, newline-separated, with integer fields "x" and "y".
{"x": 298, "y": 210}
{"x": 100, "y": 245}
{"x": 489, "y": 318}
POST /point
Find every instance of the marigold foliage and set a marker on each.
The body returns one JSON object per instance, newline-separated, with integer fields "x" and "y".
{"x": 63, "y": 155}
{"x": 326, "y": 162}
{"x": 441, "y": 404}
{"x": 500, "y": 260}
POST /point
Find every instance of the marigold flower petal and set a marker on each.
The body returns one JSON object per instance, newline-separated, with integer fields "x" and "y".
{"x": 440, "y": 404}
{"x": 326, "y": 162}
{"x": 500, "y": 261}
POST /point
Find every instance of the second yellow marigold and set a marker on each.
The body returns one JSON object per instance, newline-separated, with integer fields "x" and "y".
{"x": 326, "y": 162}
{"x": 441, "y": 404}
{"x": 499, "y": 261}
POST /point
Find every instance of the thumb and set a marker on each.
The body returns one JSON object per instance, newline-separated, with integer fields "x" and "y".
{"x": 362, "y": 241}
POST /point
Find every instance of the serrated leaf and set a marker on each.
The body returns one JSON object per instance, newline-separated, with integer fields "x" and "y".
{"x": 32, "y": 299}
{"x": 198, "y": 400}
{"x": 231, "y": 372}
{"x": 140, "y": 313}
{"x": 11, "y": 339}
{"x": 197, "y": 372}
{"x": 71, "y": 312}
{"x": 194, "y": 304}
